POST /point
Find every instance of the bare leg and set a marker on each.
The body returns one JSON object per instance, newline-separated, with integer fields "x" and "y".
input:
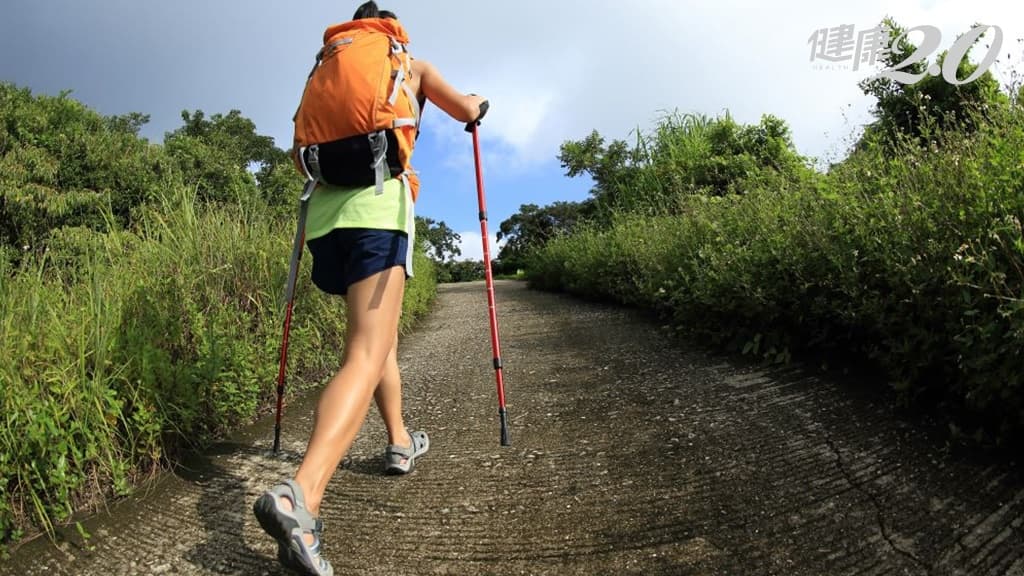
{"x": 389, "y": 400}
{"x": 374, "y": 305}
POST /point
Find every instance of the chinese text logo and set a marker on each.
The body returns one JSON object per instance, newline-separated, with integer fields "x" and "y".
{"x": 845, "y": 44}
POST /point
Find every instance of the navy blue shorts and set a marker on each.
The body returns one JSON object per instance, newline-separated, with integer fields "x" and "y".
{"x": 347, "y": 255}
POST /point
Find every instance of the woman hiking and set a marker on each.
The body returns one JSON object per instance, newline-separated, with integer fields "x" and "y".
{"x": 359, "y": 237}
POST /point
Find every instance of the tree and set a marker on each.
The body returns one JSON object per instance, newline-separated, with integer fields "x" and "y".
{"x": 612, "y": 168}
{"x": 64, "y": 165}
{"x": 532, "y": 227}
{"x": 218, "y": 155}
{"x": 442, "y": 242}
{"x": 233, "y": 133}
{"x": 130, "y": 123}
{"x": 684, "y": 154}
{"x": 695, "y": 154}
{"x": 279, "y": 182}
{"x": 466, "y": 270}
{"x": 907, "y": 110}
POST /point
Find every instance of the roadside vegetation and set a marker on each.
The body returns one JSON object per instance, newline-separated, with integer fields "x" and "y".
{"x": 906, "y": 258}
{"x": 141, "y": 298}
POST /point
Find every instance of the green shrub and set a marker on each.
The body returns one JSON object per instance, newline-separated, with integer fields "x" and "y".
{"x": 62, "y": 164}
{"x": 141, "y": 298}
{"x": 150, "y": 343}
{"x": 912, "y": 259}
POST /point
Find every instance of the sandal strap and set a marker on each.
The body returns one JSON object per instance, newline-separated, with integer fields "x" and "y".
{"x": 401, "y": 450}
{"x": 419, "y": 440}
{"x": 299, "y": 499}
{"x": 291, "y": 490}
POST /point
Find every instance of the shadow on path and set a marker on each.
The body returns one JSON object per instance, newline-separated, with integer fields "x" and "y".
{"x": 225, "y": 498}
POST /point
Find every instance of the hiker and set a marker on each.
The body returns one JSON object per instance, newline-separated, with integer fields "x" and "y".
{"x": 360, "y": 232}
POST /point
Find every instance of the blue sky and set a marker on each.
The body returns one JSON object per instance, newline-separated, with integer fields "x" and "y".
{"x": 553, "y": 70}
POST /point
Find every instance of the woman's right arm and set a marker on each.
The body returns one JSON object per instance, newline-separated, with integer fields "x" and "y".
{"x": 461, "y": 107}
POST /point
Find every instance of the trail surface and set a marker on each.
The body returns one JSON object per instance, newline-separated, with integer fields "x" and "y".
{"x": 630, "y": 455}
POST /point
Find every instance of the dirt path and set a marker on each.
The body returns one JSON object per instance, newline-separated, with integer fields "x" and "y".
{"x": 628, "y": 456}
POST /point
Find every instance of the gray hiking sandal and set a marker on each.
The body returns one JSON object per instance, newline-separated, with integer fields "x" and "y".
{"x": 401, "y": 460}
{"x": 288, "y": 528}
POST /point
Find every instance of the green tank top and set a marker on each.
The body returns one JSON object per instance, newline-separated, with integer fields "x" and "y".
{"x": 332, "y": 207}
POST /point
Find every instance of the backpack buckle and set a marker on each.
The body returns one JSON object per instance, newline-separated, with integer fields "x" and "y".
{"x": 310, "y": 157}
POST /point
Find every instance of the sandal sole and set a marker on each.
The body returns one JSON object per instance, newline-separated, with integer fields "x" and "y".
{"x": 285, "y": 528}
{"x": 274, "y": 521}
{"x": 279, "y": 526}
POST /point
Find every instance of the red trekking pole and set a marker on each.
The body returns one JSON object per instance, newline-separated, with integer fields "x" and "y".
{"x": 289, "y": 296}
{"x": 502, "y": 412}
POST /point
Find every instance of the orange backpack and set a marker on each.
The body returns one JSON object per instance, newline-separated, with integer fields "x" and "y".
{"x": 358, "y": 119}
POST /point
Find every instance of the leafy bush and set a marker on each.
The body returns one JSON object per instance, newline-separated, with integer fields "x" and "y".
{"x": 912, "y": 258}
{"x": 141, "y": 292}
{"x": 684, "y": 155}
{"x": 159, "y": 341}
{"x": 62, "y": 164}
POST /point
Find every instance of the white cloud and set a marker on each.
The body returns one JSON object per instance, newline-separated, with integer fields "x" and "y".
{"x": 555, "y": 71}
{"x": 472, "y": 245}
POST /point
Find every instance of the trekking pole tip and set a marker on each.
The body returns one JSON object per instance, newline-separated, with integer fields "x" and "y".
{"x": 505, "y": 441}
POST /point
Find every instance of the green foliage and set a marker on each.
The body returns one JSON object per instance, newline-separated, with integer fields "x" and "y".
{"x": 280, "y": 185}
{"x": 141, "y": 298}
{"x": 211, "y": 170}
{"x": 62, "y": 164}
{"x": 234, "y": 134}
{"x": 441, "y": 245}
{"x": 532, "y": 227}
{"x": 909, "y": 259}
{"x": 913, "y": 111}
{"x": 696, "y": 154}
{"x": 459, "y": 271}
{"x": 466, "y": 271}
{"x": 130, "y": 123}
{"x": 612, "y": 168}
{"x": 226, "y": 160}
{"x": 685, "y": 155}
{"x": 420, "y": 290}
{"x": 441, "y": 242}
{"x": 108, "y": 375}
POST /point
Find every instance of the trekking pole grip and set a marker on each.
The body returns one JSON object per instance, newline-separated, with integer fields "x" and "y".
{"x": 471, "y": 126}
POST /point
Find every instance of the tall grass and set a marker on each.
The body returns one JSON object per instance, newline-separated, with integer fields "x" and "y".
{"x": 122, "y": 350}
{"x": 911, "y": 260}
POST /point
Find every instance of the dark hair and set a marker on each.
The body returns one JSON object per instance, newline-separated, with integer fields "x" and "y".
{"x": 370, "y": 10}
